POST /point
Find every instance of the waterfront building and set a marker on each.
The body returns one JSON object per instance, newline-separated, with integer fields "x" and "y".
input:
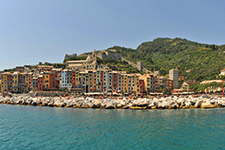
{"x": 46, "y": 79}
{"x": 66, "y": 79}
{"x": 54, "y": 76}
{"x": 119, "y": 83}
{"x": 9, "y": 81}
{"x": 34, "y": 83}
{"x": 21, "y": 83}
{"x": 40, "y": 82}
{"x": 28, "y": 81}
{"x": 82, "y": 81}
{"x": 15, "y": 81}
{"x": 4, "y": 84}
{"x": 150, "y": 82}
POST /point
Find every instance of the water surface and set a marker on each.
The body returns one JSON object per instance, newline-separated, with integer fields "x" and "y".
{"x": 28, "y": 127}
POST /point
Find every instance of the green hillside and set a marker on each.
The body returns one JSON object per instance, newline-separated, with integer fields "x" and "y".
{"x": 163, "y": 54}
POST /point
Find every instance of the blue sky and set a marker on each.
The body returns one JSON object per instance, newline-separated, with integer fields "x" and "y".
{"x": 45, "y": 30}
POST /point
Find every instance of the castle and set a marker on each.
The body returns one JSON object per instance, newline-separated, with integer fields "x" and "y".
{"x": 69, "y": 56}
{"x": 110, "y": 54}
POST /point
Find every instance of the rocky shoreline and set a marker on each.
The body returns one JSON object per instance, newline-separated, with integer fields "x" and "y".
{"x": 171, "y": 102}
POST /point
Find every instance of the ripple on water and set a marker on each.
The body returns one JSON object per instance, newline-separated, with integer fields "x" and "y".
{"x": 26, "y": 127}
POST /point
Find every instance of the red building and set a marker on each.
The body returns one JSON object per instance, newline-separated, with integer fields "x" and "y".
{"x": 114, "y": 82}
{"x": 40, "y": 83}
{"x": 141, "y": 84}
{"x": 73, "y": 78}
{"x": 55, "y": 78}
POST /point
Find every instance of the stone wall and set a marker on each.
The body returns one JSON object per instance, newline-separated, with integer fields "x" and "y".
{"x": 68, "y": 56}
{"x": 110, "y": 54}
{"x": 135, "y": 65}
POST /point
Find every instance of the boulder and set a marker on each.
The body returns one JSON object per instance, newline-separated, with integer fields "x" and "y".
{"x": 163, "y": 105}
{"x": 138, "y": 107}
{"x": 125, "y": 107}
{"x": 198, "y": 104}
{"x": 95, "y": 106}
{"x": 34, "y": 103}
{"x": 142, "y": 104}
{"x": 50, "y": 104}
{"x": 109, "y": 106}
{"x": 119, "y": 105}
{"x": 207, "y": 105}
{"x": 173, "y": 106}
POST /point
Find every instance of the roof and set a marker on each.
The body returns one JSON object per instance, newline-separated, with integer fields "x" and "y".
{"x": 222, "y": 70}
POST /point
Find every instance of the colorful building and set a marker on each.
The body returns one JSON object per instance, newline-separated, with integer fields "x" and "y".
{"x": 15, "y": 81}
{"x": 46, "y": 79}
{"x": 40, "y": 82}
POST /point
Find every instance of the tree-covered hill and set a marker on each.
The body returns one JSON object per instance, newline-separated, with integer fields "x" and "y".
{"x": 204, "y": 61}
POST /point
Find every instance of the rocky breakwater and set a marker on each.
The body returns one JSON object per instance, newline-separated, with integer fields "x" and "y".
{"x": 116, "y": 103}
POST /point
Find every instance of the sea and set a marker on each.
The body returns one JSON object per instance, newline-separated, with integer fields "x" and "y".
{"x": 29, "y": 127}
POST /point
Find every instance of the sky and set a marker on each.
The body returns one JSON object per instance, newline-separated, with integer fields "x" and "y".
{"x": 33, "y": 31}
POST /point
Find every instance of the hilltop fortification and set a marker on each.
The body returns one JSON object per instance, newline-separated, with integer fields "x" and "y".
{"x": 113, "y": 54}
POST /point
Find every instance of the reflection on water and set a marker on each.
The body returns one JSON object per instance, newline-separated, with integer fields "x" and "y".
{"x": 26, "y": 127}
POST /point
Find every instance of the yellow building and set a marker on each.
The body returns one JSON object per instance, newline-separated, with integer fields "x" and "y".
{"x": 6, "y": 83}
{"x": 46, "y": 79}
{"x": 15, "y": 81}
{"x": 26, "y": 82}
{"x": 185, "y": 87}
{"x": 149, "y": 82}
{"x": 77, "y": 78}
{"x": 137, "y": 87}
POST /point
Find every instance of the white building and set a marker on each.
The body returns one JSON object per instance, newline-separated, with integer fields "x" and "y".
{"x": 66, "y": 78}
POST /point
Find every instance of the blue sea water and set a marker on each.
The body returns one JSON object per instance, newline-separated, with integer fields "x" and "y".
{"x": 28, "y": 127}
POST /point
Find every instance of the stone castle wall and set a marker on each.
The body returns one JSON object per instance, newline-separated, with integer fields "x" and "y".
{"x": 110, "y": 54}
